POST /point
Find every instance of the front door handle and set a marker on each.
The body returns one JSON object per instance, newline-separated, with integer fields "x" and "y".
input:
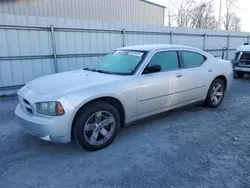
{"x": 179, "y": 75}
{"x": 210, "y": 70}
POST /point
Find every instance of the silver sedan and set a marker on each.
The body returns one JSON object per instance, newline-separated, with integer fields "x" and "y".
{"x": 91, "y": 105}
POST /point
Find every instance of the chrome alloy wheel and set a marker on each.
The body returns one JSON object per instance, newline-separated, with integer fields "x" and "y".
{"x": 99, "y": 128}
{"x": 217, "y": 93}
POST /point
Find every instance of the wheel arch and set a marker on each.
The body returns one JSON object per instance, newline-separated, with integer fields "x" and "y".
{"x": 208, "y": 100}
{"x": 223, "y": 78}
{"x": 108, "y": 99}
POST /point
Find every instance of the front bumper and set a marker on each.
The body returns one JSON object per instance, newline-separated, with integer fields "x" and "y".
{"x": 53, "y": 129}
{"x": 242, "y": 69}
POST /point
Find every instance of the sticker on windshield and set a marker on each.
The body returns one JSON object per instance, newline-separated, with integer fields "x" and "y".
{"x": 138, "y": 54}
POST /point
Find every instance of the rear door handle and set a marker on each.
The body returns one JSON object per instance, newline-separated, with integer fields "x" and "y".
{"x": 210, "y": 70}
{"x": 179, "y": 75}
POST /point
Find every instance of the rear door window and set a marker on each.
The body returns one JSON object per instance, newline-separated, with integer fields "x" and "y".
{"x": 192, "y": 59}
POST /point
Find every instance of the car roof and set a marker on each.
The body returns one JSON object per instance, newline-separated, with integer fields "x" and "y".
{"x": 157, "y": 47}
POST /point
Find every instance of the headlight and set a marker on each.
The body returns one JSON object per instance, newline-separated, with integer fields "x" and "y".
{"x": 49, "y": 108}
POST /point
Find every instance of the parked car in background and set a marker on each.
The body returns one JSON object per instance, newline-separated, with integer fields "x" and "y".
{"x": 241, "y": 62}
{"x": 92, "y": 104}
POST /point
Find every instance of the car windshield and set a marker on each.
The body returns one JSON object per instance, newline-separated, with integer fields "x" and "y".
{"x": 122, "y": 62}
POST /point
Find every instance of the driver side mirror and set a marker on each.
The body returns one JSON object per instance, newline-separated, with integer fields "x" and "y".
{"x": 152, "y": 69}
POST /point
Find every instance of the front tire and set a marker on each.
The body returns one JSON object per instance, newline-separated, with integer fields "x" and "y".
{"x": 96, "y": 126}
{"x": 238, "y": 75}
{"x": 216, "y": 93}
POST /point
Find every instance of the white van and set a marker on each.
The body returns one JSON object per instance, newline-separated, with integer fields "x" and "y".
{"x": 241, "y": 62}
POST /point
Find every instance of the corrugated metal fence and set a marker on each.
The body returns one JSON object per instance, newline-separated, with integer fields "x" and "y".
{"x": 34, "y": 46}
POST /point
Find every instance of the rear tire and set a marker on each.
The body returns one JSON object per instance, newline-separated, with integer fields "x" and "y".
{"x": 216, "y": 93}
{"x": 89, "y": 131}
{"x": 238, "y": 75}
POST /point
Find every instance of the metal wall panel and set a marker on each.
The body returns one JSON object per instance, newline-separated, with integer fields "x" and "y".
{"x": 80, "y": 43}
{"x": 6, "y": 73}
{"x": 67, "y": 64}
{"x": 129, "y": 11}
{"x": 236, "y": 41}
{"x": 23, "y": 42}
{"x": 189, "y": 41}
{"x": 216, "y": 42}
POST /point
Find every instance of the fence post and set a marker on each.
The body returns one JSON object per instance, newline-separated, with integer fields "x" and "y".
{"x": 171, "y": 37}
{"x": 205, "y": 42}
{"x": 228, "y": 46}
{"x": 54, "y": 48}
{"x": 123, "y": 37}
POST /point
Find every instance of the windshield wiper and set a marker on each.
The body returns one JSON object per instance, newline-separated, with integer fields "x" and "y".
{"x": 105, "y": 72}
{"x": 96, "y": 70}
{"x": 86, "y": 68}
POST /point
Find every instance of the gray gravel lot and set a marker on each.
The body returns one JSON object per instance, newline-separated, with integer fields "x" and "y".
{"x": 188, "y": 147}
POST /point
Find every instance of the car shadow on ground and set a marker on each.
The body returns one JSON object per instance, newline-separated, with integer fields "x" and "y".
{"x": 245, "y": 78}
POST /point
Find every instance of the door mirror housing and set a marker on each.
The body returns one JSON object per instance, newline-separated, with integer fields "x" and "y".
{"x": 152, "y": 69}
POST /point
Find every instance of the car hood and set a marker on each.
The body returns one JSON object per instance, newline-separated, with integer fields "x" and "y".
{"x": 70, "y": 81}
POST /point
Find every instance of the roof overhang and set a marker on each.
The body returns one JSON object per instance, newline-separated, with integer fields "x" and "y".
{"x": 155, "y": 4}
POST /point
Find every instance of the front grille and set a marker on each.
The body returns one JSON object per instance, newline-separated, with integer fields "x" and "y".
{"x": 25, "y": 104}
{"x": 245, "y": 59}
{"x": 29, "y": 110}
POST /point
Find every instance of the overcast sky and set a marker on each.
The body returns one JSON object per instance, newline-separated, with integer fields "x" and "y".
{"x": 243, "y": 10}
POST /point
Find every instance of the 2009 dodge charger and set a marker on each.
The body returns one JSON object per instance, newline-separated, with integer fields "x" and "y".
{"x": 131, "y": 83}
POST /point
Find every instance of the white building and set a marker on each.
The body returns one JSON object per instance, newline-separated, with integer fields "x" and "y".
{"x": 126, "y": 11}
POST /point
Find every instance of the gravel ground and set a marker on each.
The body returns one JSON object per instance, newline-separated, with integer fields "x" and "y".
{"x": 188, "y": 147}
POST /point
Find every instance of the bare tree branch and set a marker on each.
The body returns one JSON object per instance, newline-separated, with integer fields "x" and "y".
{"x": 231, "y": 20}
{"x": 203, "y": 16}
{"x": 236, "y": 23}
{"x": 196, "y": 15}
{"x": 184, "y": 13}
{"x": 193, "y": 14}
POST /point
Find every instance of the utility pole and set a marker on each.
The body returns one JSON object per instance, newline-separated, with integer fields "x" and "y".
{"x": 220, "y": 12}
